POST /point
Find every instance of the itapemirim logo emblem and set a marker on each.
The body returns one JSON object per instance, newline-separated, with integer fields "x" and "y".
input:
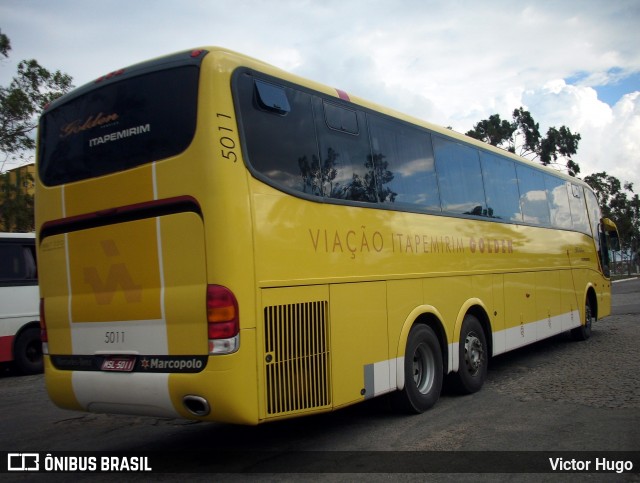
{"x": 118, "y": 277}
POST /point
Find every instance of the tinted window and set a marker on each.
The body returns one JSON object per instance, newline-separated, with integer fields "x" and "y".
{"x": 460, "y": 178}
{"x": 281, "y": 146}
{"x": 501, "y": 187}
{"x": 594, "y": 215}
{"x": 272, "y": 97}
{"x": 533, "y": 196}
{"x": 305, "y": 142}
{"x": 558, "y": 197}
{"x": 345, "y": 157}
{"x": 340, "y": 118}
{"x": 17, "y": 263}
{"x": 119, "y": 126}
{"x": 579, "y": 217}
{"x": 404, "y": 160}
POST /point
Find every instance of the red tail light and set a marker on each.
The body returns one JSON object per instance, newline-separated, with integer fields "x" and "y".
{"x": 222, "y": 313}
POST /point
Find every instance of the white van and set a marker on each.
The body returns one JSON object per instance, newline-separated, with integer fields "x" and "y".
{"x": 19, "y": 303}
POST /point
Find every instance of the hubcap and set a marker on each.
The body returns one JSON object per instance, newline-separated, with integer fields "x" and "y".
{"x": 473, "y": 353}
{"x": 423, "y": 368}
{"x": 588, "y": 317}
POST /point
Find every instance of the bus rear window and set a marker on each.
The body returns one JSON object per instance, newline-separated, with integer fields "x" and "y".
{"x": 119, "y": 126}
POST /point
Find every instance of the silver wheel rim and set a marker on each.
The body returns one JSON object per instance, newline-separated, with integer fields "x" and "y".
{"x": 423, "y": 368}
{"x": 473, "y": 353}
{"x": 588, "y": 318}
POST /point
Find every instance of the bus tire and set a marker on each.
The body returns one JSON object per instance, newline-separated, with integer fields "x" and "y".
{"x": 27, "y": 352}
{"x": 584, "y": 331}
{"x": 423, "y": 372}
{"x": 472, "y": 367}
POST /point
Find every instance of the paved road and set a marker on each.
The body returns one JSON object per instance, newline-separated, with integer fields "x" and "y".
{"x": 626, "y": 297}
{"x": 557, "y": 395}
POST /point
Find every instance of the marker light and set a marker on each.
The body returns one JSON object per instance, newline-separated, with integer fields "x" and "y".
{"x": 44, "y": 337}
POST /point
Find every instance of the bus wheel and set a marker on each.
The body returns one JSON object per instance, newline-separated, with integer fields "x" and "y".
{"x": 584, "y": 331}
{"x": 28, "y": 352}
{"x": 472, "y": 368}
{"x": 423, "y": 372}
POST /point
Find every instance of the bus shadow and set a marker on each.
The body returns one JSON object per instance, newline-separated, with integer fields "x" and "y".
{"x": 296, "y": 434}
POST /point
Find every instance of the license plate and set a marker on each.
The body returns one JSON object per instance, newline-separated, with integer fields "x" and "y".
{"x": 119, "y": 363}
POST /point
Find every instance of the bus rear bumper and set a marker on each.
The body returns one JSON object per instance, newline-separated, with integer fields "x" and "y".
{"x": 134, "y": 393}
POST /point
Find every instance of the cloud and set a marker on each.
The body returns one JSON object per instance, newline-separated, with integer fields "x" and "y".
{"x": 451, "y": 63}
{"x": 610, "y": 135}
{"x": 616, "y": 145}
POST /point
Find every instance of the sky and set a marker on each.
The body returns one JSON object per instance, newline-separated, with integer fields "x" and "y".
{"x": 451, "y": 62}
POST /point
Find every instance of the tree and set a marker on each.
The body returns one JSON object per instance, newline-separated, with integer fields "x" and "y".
{"x": 494, "y": 131}
{"x": 558, "y": 143}
{"x": 16, "y": 204}
{"x": 619, "y": 202}
{"x": 20, "y": 104}
{"x": 5, "y": 45}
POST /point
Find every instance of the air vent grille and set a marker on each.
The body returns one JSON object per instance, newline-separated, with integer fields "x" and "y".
{"x": 296, "y": 357}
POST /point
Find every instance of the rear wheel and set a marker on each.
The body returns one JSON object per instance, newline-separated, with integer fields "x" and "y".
{"x": 423, "y": 372}
{"x": 474, "y": 357}
{"x": 584, "y": 331}
{"x": 28, "y": 352}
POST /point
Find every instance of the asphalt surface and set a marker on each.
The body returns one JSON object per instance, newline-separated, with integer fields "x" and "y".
{"x": 556, "y": 398}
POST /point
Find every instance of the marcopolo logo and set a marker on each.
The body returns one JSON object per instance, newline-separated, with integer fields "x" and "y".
{"x": 172, "y": 364}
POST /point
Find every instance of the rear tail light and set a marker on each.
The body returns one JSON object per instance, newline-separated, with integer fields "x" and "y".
{"x": 222, "y": 320}
{"x": 44, "y": 337}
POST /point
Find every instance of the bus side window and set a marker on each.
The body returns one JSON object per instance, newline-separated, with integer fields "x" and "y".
{"x": 594, "y": 216}
{"x": 345, "y": 153}
{"x": 579, "y": 217}
{"x": 31, "y": 267}
{"x": 533, "y": 196}
{"x": 404, "y": 165}
{"x": 12, "y": 263}
{"x": 558, "y": 199}
{"x": 279, "y": 134}
{"x": 459, "y": 178}
{"x": 501, "y": 187}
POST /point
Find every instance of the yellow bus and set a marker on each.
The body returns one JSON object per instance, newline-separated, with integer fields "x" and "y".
{"x": 222, "y": 240}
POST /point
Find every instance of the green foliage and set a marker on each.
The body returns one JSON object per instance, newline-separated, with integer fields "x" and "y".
{"x": 619, "y": 202}
{"x": 20, "y": 105}
{"x": 528, "y": 129}
{"x": 494, "y": 130}
{"x": 16, "y": 205}
{"x": 5, "y": 45}
{"x": 558, "y": 143}
{"x": 23, "y": 100}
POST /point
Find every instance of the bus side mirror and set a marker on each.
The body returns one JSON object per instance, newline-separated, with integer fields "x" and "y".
{"x": 611, "y": 231}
